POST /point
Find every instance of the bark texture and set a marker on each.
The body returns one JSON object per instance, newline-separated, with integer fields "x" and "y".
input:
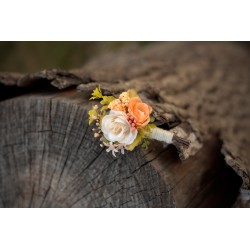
{"x": 198, "y": 90}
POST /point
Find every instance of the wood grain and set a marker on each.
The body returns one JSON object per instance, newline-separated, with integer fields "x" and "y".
{"x": 49, "y": 159}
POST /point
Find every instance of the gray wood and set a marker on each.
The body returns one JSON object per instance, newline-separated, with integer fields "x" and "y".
{"x": 200, "y": 91}
{"x": 49, "y": 159}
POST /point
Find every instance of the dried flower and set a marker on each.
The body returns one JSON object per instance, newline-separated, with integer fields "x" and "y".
{"x": 121, "y": 123}
{"x": 96, "y": 135}
{"x": 124, "y": 98}
{"x": 111, "y": 147}
{"x": 116, "y": 105}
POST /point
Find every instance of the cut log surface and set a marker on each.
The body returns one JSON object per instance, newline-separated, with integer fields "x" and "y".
{"x": 200, "y": 91}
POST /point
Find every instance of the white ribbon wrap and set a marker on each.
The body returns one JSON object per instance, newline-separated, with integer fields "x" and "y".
{"x": 161, "y": 135}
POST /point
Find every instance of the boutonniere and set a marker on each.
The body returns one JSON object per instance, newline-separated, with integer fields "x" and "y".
{"x": 124, "y": 123}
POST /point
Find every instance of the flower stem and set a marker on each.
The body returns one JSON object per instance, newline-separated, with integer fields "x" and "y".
{"x": 161, "y": 135}
{"x": 168, "y": 137}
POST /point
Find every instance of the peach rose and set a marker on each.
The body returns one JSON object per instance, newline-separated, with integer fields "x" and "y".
{"x": 140, "y": 112}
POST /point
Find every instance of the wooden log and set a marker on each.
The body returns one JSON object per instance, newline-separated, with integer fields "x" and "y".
{"x": 49, "y": 158}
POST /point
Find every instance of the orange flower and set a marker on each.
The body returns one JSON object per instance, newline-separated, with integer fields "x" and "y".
{"x": 140, "y": 112}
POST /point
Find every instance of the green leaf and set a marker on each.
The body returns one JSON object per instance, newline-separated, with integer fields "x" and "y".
{"x": 106, "y": 100}
{"x": 142, "y": 136}
{"x": 91, "y": 113}
{"x": 132, "y": 93}
{"x": 102, "y": 115}
{"x": 147, "y": 129}
{"x": 152, "y": 119}
{"x": 104, "y": 107}
{"x": 137, "y": 140}
{"x": 96, "y": 94}
{"x": 145, "y": 144}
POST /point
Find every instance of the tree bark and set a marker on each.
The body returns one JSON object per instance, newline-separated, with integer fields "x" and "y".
{"x": 200, "y": 91}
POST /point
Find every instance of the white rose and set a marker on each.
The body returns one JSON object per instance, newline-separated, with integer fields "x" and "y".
{"x": 115, "y": 127}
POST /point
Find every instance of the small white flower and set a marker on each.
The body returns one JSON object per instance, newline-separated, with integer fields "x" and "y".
{"x": 122, "y": 147}
{"x": 111, "y": 147}
{"x": 116, "y": 128}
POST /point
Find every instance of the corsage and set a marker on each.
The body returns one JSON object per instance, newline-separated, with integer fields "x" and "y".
{"x": 124, "y": 123}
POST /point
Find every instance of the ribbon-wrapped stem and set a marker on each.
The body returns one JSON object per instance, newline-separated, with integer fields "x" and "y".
{"x": 168, "y": 137}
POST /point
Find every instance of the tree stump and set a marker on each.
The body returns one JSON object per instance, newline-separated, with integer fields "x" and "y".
{"x": 49, "y": 157}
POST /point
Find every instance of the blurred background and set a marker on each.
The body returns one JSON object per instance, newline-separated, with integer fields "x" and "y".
{"x": 36, "y": 56}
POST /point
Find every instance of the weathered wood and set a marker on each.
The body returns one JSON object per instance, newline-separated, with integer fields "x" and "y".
{"x": 199, "y": 90}
{"x": 49, "y": 159}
